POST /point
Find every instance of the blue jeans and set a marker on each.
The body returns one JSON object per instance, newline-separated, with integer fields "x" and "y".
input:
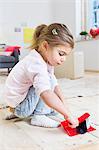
{"x": 32, "y": 104}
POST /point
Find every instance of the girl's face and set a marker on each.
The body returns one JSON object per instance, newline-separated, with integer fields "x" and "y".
{"x": 57, "y": 55}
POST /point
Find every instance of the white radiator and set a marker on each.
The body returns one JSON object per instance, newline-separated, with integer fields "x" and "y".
{"x": 72, "y": 68}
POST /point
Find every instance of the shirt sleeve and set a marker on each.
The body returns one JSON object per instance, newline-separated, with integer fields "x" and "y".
{"x": 53, "y": 77}
{"x": 55, "y": 83}
{"x": 39, "y": 76}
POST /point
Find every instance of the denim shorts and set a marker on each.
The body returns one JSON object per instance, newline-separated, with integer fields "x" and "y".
{"x": 32, "y": 104}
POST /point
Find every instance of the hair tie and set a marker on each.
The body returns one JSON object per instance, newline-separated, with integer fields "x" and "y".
{"x": 64, "y": 26}
{"x": 54, "y": 32}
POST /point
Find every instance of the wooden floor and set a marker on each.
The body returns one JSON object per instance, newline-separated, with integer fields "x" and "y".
{"x": 20, "y": 135}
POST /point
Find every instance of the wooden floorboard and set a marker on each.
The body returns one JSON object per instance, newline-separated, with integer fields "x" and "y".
{"x": 18, "y": 134}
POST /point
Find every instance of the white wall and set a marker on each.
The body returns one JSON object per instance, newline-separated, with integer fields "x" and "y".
{"x": 22, "y": 13}
{"x": 64, "y": 11}
{"x": 67, "y": 12}
{"x": 30, "y": 13}
{"x": 91, "y": 53}
{"x": 19, "y": 14}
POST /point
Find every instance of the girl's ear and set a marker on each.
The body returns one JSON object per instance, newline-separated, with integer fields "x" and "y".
{"x": 45, "y": 45}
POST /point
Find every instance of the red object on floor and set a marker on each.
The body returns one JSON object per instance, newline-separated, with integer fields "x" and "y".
{"x": 72, "y": 131}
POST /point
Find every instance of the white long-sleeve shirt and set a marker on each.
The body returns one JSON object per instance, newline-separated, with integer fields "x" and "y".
{"x": 32, "y": 70}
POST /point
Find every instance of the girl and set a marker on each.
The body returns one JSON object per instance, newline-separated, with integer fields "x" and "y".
{"x": 31, "y": 87}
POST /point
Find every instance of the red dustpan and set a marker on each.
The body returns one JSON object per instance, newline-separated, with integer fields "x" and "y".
{"x": 73, "y": 131}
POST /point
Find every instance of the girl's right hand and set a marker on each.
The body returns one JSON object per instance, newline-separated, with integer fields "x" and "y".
{"x": 73, "y": 121}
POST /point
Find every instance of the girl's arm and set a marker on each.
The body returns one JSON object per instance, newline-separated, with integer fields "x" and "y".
{"x": 53, "y": 101}
{"x": 58, "y": 92}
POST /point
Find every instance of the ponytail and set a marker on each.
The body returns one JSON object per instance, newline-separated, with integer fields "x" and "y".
{"x": 36, "y": 36}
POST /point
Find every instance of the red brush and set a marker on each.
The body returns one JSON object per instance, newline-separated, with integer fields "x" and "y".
{"x": 81, "y": 129}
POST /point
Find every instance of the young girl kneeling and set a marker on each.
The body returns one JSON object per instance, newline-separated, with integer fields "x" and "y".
{"x": 31, "y": 87}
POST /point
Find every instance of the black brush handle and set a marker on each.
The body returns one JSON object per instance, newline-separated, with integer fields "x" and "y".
{"x": 82, "y": 128}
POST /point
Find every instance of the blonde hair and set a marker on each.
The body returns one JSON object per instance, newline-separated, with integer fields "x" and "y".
{"x": 55, "y": 34}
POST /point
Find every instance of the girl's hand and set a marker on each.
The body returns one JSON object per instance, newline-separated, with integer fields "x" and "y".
{"x": 73, "y": 121}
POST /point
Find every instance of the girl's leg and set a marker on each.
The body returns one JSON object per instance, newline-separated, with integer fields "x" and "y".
{"x": 40, "y": 116}
{"x": 44, "y": 121}
{"x": 41, "y": 107}
{"x": 33, "y": 104}
{"x": 43, "y": 113}
{"x": 27, "y": 107}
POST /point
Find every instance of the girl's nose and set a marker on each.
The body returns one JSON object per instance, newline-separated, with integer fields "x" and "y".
{"x": 63, "y": 59}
